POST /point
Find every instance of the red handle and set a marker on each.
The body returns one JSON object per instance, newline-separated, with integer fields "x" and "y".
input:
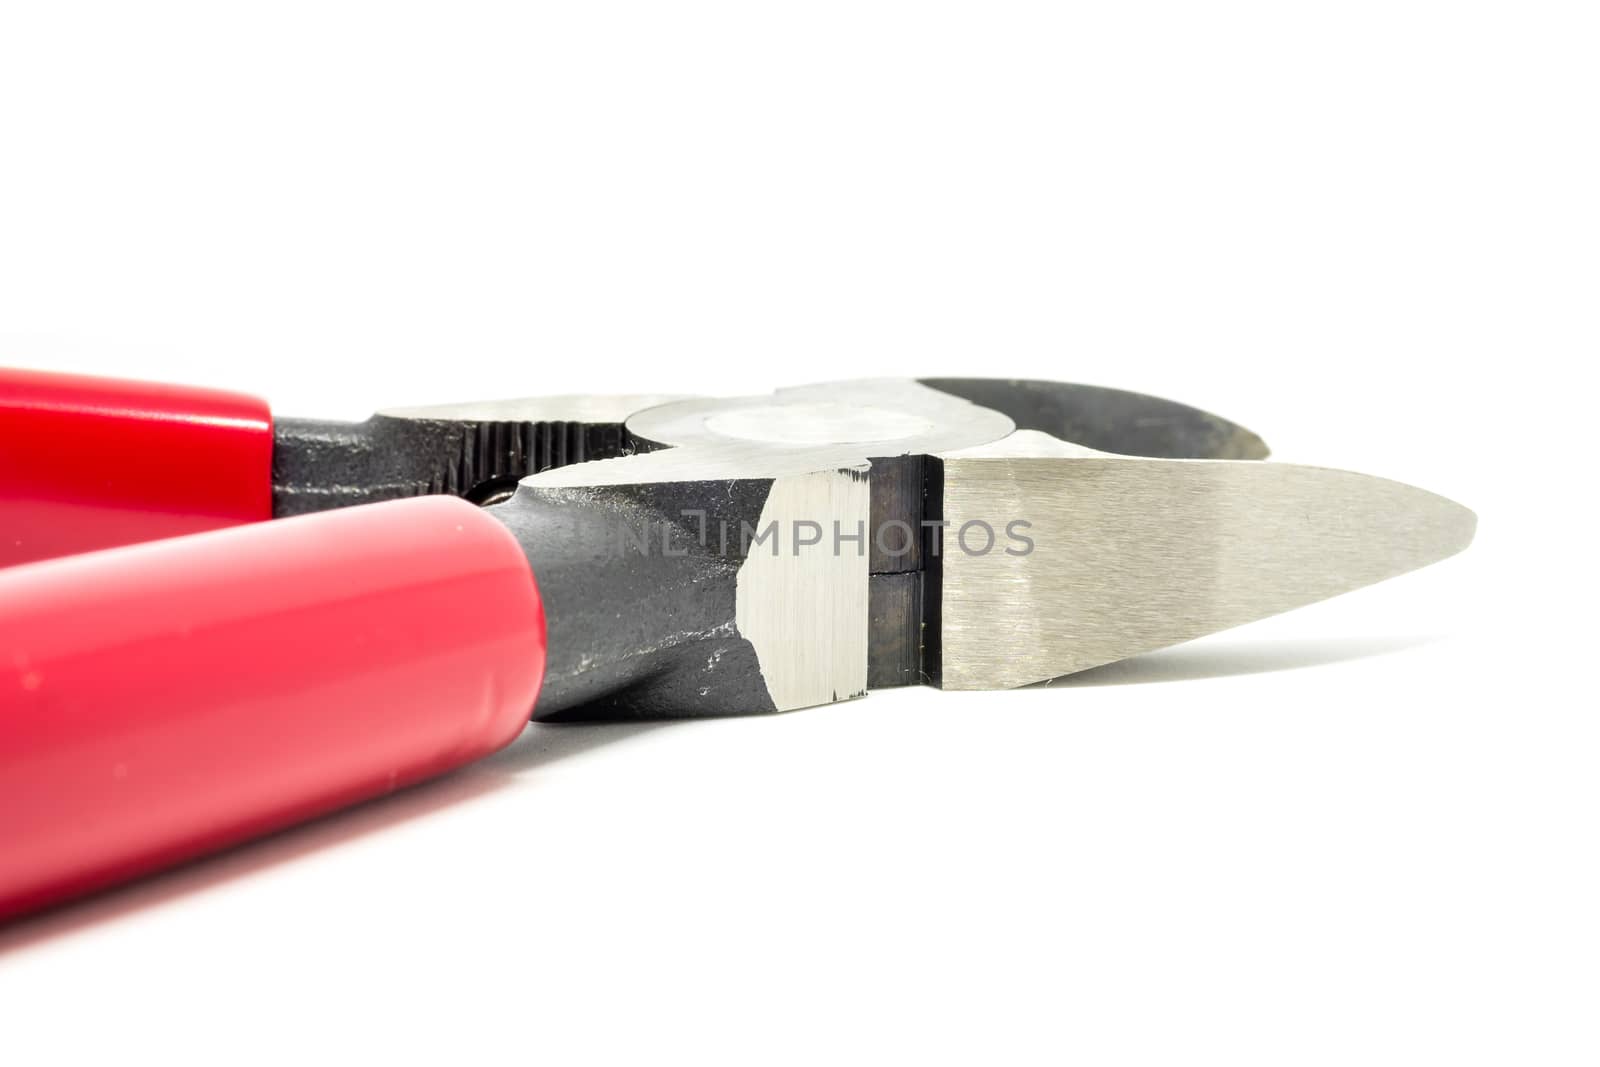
{"x": 165, "y": 700}
{"x": 90, "y": 463}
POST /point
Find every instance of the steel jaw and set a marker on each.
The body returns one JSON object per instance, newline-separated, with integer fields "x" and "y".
{"x": 1134, "y": 554}
{"x": 824, "y": 540}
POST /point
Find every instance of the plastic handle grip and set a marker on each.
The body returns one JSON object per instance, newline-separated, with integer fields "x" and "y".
{"x": 164, "y": 700}
{"x": 90, "y": 463}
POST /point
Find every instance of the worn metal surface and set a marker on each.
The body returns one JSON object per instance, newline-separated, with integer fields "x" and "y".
{"x": 840, "y": 460}
{"x": 1131, "y": 555}
{"x": 640, "y": 607}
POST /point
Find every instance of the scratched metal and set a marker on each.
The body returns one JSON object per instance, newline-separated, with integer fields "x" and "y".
{"x": 1132, "y": 555}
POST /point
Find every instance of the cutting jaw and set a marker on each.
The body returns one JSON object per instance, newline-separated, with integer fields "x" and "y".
{"x": 777, "y": 552}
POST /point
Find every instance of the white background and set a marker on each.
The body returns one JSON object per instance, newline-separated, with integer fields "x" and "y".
{"x": 1361, "y": 833}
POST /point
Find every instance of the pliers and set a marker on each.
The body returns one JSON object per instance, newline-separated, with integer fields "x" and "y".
{"x": 433, "y": 576}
